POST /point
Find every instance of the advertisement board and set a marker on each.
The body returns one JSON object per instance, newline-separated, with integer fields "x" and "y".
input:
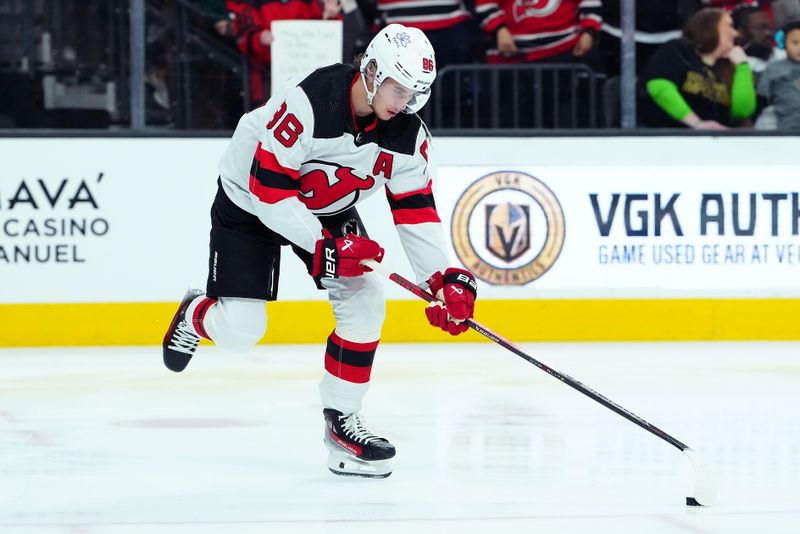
{"x": 104, "y": 220}
{"x": 673, "y": 238}
{"x": 639, "y": 231}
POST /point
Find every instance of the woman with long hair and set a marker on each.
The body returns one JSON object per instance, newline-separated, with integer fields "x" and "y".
{"x": 702, "y": 80}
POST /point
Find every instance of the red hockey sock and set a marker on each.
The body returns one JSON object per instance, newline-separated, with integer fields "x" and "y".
{"x": 348, "y": 360}
{"x": 198, "y": 312}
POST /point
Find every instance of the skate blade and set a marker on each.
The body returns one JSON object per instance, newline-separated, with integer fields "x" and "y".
{"x": 348, "y": 466}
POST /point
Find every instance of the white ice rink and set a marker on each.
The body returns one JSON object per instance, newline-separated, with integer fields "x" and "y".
{"x": 107, "y": 441}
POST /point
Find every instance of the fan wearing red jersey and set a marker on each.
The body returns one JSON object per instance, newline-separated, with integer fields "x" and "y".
{"x": 292, "y": 175}
{"x": 531, "y": 30}
{"x": 251, "y": 28}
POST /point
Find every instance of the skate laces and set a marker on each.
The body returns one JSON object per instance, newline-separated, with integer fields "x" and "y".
{"x": 354, "y": 428}
{"x": 184, "y": 339}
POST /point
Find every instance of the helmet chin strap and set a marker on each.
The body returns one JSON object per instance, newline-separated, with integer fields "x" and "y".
{"x": 370, "y": 94}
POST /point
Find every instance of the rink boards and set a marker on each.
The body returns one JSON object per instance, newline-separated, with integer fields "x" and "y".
{"x": 643, "y": 238}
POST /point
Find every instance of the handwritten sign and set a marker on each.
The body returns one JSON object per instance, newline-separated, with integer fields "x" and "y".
{"x": 303, "y": 45}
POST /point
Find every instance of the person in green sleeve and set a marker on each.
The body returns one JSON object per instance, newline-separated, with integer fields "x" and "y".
{"x": 700, "y": 81}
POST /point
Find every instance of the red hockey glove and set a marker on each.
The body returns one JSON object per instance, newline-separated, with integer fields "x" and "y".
{"x": 342, "y": 256}
{"x": 457, "y": 289}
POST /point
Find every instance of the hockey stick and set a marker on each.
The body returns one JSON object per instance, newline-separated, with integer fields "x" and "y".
{"x": 704, "y": 487}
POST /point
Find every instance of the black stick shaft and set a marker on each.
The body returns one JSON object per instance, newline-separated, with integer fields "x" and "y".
{"x": 589, "y": 392}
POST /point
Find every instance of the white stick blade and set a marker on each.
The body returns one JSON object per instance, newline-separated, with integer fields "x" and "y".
{"x": 705, "y": 486}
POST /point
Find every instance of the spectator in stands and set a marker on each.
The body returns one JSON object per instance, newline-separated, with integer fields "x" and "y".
{"x": 551, "y": 32}
{"x": 218, "y": 90}
{"x": 756, "y": 37}
{"x": 780, "y": 84}
{"x": 657, "y": 21}
{"x": 356, "y": 33}
{"x": 447, "y": 24}
{"x": 732, "y": 5}
{"x": 702, "y": 81}
{"x": 530, "y": 30}
{"x": 217, "y": 15}
{"x": 252, "y": 20}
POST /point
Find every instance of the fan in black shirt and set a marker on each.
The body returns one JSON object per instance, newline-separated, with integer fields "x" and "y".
{"x": 702, "y": 80}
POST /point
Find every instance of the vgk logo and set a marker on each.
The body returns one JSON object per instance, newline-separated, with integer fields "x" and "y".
{"x": 508, "y": 230}
{"x": 534, "y": 8}
{"x": 330, "y": 188}
{"x": 427, "y": 64}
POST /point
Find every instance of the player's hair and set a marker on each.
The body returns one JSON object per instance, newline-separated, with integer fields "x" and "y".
{"x": 702, "y": 30}
{"x": 357, "y": 60}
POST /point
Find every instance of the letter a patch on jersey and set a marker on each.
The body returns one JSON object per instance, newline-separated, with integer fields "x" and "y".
{"x": 383, "y": 165}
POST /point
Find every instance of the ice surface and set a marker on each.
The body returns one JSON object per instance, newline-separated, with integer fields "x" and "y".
{"x": 107, "y": 441}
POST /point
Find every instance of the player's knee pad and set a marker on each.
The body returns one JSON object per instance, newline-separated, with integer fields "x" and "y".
{"x": 238, "y": 324}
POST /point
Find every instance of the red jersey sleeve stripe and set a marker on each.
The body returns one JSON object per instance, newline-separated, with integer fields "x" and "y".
{"x": 415, "y": 216}
{"x": 270, "y": 195}
{"x": 267, "y": 160}
{"x": 427, "y": 191}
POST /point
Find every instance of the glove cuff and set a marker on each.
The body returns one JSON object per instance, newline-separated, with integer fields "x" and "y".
{"x": 461, "y": 277}
{"x": 326, "y": 257}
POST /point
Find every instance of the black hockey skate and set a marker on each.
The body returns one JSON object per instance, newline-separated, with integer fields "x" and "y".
{"x": 181, "y": 341}
{"x": 354, "y": 450}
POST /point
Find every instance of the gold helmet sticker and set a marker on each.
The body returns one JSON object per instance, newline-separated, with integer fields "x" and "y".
{"x": 508, "y": 228}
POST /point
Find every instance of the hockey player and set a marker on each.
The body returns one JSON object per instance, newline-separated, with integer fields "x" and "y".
{"x": 292, "y": 174}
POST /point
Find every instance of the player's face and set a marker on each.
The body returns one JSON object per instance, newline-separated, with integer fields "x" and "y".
{"x": 792, "y": 44}
{"x": 391, "y": 99}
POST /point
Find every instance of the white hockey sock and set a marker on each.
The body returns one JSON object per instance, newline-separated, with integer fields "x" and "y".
{"x": 347, "y": 397}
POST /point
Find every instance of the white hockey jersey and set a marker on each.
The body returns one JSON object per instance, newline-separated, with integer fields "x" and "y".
{"x": 303, "y": 154}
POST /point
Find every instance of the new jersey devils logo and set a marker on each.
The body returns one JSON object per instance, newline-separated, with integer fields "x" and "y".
{"x": 534, "y": 8}
{"x": 330, "y": 188}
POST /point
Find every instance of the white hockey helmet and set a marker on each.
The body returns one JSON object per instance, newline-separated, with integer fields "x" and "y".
{"x": 404, "y": 55}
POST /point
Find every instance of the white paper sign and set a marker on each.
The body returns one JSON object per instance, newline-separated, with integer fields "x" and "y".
{"x": 302, "y": 45}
